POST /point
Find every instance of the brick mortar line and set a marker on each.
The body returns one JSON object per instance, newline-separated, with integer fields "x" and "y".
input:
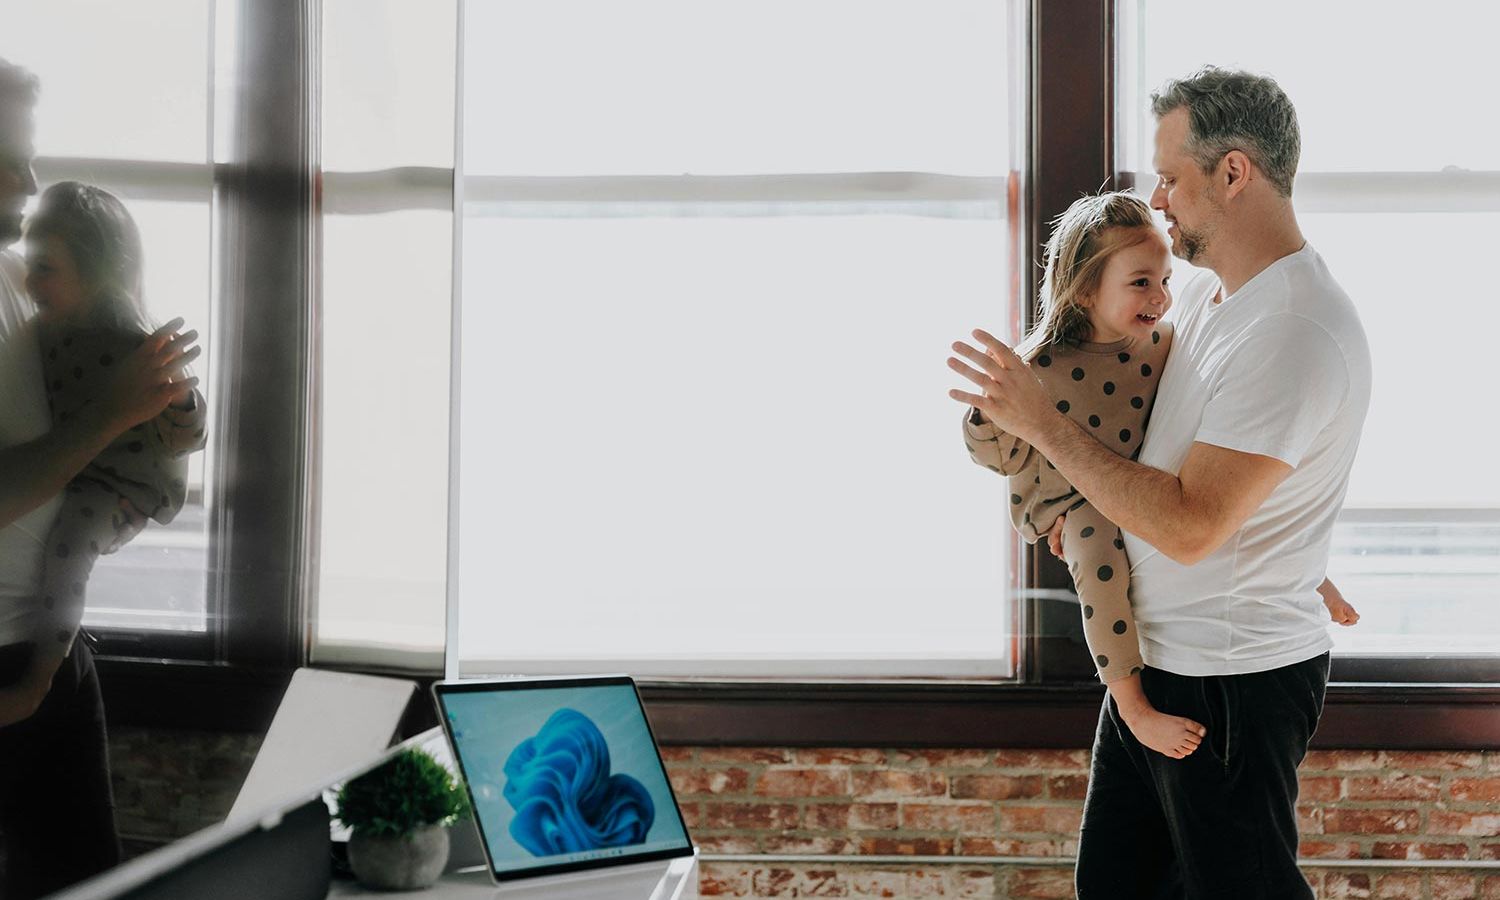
{"x": 1043, "y": 861}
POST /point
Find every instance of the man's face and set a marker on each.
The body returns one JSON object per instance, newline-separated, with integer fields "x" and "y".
{"x": 17, "y": 181}
{"x": 1183, "y": 192}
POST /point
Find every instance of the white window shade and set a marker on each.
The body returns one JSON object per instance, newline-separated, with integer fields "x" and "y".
{"x": 713, "y": 257}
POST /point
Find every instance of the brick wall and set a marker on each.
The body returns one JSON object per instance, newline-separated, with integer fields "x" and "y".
{"x": 1355, "y": 805}
{"x": 849, "y": 803}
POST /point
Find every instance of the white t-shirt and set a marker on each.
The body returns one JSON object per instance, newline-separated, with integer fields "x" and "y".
{"x": 23, "y": 417}
{"x": 1280, "y": 368}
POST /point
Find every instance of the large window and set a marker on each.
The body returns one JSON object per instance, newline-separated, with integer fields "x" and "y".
{"x": 1399, "y": 191}
{"x": 712, "y": 259}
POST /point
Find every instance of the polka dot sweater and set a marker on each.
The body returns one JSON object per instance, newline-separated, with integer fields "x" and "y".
{"x": 1107, "y": 389}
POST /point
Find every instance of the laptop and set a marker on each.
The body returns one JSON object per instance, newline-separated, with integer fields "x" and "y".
{"x": 564, "y": 775}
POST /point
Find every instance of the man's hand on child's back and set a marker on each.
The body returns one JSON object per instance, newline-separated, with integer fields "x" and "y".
{"x": 152, "y": 376}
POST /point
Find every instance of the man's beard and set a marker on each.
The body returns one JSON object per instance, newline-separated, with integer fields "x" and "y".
{"x": 1193, "y": 243}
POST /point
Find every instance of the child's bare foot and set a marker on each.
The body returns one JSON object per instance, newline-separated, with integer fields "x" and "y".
{"x": 1340, "y": 610}
{"x": 1172, "y": 736}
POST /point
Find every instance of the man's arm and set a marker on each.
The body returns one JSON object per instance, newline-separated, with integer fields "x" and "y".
{"x": 1186, "y": 516}
{"x": 149, "y": 379}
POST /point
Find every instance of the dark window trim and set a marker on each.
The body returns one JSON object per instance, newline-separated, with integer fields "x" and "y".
{"x": 226, "y": 698}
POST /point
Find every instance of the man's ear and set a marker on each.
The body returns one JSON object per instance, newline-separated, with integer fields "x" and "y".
{"x": 1234, "y": 172}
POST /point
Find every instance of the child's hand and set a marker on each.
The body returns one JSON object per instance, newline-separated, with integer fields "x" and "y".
{"x": 152, "y": 376}
{"x": 1340, "y": 610}
{"x": 1055, "y": 537}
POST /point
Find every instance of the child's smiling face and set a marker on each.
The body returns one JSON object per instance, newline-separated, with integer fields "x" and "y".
{"x": 52, "y": 279}
{"x": 1133, "y": 294}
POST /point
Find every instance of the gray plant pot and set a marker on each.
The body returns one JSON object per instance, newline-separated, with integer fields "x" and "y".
{"x": 407, "y": 863}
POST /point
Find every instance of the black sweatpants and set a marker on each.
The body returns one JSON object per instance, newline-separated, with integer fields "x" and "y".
{"x": 1220, "y": 824}
{"x": 57, "y": 822}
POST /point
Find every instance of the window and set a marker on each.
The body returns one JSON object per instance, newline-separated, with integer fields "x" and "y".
{"x": 1399, "y": 190}
{"x": 712, "y": 259}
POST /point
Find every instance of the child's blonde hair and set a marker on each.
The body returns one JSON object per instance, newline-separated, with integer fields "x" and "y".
{"x": 1083, "y": 239}
{"x": 105, "y": 245}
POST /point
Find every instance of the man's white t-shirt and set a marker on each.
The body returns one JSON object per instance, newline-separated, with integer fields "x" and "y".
{"x": 1279, "y": 368}
{"x": 23, "y": 417}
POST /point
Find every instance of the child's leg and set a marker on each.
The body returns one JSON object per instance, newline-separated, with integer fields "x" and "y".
{"x": 84, "y": 526}
{"x": 1096, "y": 558}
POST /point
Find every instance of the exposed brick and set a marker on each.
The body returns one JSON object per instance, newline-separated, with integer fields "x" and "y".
{"x": 1068, "y": 787}
{"x": 820, "y": 882}
{"x": 877, "y": 883}
{"x": 726, "y": 843}
{"x": 1045, "y": 884}
{"x": 965, "y": 818}
{"x": 1393, "y": 787}
{"x": 802, "y": 783}
{"x": 1489, "y": 851}
{"x": 995, "y": 787}
{"x": 947, "y": 759}
{"x": 1050, "y": 819}
{"x": 898, "y": 784}
{"x": 774, "y": 881}
{"x": 1418, "y": 850}
{"x": 1343, "y": 760}
{"x": 1441, "y": 821}
{"x": 716, "y": 879}
{"x": 821, "y": 846}
{"x": 743, "y": 755}
{"x": 831, "y": 756}
{"x": 873, "y": 816}
{"x": 1309, "y": 819}
{"x": 925, "y": 883}
{"x": 1475, "y": 790}
{"x": 1045, "y": 847}
{"x": 1442, "y": 761}
{"x": 749, "y": 815}
{"x": 1329, "y": 850}
{"x": 1371, "y": 821}
{"x": 691, "y": 815}
{"x": 974, "y": 883}
{"x": 1043, "y": 759}
{"x": 1320, "y": 788}
{"x": 826, "y": 817}
{"x": 676, "y": 754}
{"x": 1451, "y": 886}
{"x": 1399, "y": 886}
{"x": 694, "y": 780}
{"x": 1346, "y": 886}
{"x": 1489, "y": 887}
{"x": 906, "y": 846}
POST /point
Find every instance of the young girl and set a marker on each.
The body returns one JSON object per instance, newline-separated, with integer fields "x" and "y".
{"x": 84, "y": 273}
{"x": 1099, "y": 349}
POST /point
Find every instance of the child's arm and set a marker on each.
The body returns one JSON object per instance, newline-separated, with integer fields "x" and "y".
{"x": 992, "y": 448}
{"x": 1338, "y": 608}
{"x": 182, "y": 426}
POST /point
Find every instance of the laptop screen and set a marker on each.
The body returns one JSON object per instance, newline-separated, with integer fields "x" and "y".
{"x": 564, "y": 774}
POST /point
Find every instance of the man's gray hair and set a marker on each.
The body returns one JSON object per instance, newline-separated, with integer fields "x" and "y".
{"x": 1230, "y": 110}
{"x": 17, "y": 86}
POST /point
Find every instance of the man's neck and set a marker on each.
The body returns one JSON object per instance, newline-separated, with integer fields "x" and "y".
{"x": 1264, "y": 240}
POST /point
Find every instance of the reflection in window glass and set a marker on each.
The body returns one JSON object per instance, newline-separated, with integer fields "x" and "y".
{"x": 119, "y": 80}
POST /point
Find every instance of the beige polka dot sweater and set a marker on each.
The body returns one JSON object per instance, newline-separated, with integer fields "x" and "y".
{"x": 1108, "y": 389}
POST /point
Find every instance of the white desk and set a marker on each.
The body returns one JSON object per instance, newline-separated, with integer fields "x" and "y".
{"x": 672, "y": 880}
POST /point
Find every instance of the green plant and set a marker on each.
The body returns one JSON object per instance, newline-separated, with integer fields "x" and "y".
{"x": 409, "y": 791}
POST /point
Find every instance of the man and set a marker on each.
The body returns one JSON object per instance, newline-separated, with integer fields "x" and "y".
{"x": 1228, "y": 514}
{"x": 56, "y": 817}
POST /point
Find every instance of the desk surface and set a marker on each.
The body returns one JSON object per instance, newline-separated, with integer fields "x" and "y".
{"x": 677, "y": 881}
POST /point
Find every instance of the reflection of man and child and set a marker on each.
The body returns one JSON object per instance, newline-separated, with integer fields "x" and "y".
{"x": 1199, "y": 543}
{"x": 97, "y": 417}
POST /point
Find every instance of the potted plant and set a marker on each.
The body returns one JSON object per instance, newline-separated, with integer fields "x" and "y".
{"x": 400, "y": 813}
